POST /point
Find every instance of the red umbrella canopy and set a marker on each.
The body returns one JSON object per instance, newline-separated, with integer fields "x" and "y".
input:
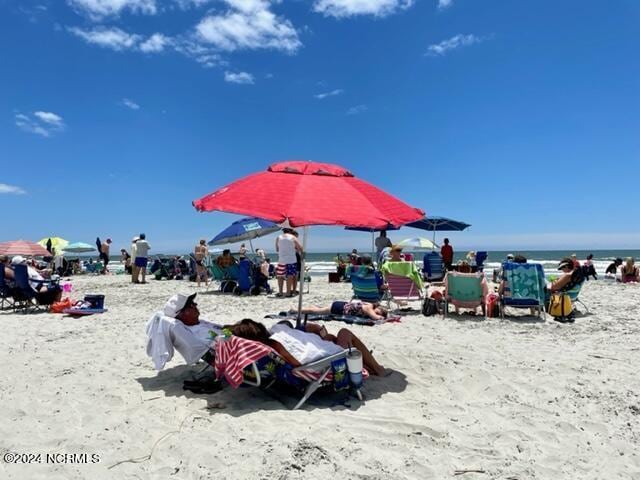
{"x": 310, "y": 193}
{"x": 23, "y": 247}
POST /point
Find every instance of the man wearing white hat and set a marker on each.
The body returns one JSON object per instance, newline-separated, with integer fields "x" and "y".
{"x": 178, "y": 325}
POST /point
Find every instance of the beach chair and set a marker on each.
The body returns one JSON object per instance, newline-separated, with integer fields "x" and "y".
{"x": 245, "y": 275}
{"x": 524, "y": 287}
{"x": 24, "y": 296}
{"x": 404, "y": 282}
{"x": 243, "y": 361}
{"x": 574, "y": 293}
{"x": 365, "y": 283}
{"x": 432, "y": 267}
{"x": 464, "y": 290}
{"x": 401, "y": 290}
{"x": 6, "y": 297}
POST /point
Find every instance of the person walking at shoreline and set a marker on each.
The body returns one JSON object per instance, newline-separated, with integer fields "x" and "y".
{"x": 142, "y": 252}
{"x": 201, "y": 252}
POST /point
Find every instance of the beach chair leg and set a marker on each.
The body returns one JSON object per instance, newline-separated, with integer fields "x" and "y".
{"x": 582, "y": 303}
{"x": 359, "y": 394}
{"x": 312, "y": 387}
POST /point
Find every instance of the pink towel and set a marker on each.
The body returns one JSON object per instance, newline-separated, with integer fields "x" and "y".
{"x": 234, "y": 354}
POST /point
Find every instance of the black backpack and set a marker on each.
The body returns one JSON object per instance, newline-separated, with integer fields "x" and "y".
{"x": 430, "y": 307}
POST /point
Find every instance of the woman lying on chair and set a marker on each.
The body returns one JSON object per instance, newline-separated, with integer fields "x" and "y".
{"x": 356, "y": 308}
{"x": 298, "y": 348}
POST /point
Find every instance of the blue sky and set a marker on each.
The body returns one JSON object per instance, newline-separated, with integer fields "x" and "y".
{"x": 520, "y": 118}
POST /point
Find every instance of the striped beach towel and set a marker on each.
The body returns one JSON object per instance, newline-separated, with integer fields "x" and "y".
{"x": 234, "y": 354}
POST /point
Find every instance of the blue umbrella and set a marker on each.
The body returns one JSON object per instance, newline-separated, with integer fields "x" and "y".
{"x": 438, "y": 224}
{"x": 435, "y": 224}
{"x": 245, "y": 229}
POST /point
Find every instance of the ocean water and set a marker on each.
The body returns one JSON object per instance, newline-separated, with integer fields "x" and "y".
{"x": 321, "y": 263}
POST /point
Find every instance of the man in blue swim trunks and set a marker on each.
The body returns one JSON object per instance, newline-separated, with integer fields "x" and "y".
{"x": 142, "y": 253}
{"x": 287, "y": 245}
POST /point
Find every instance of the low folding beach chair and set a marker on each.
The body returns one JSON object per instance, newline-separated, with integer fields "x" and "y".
{"x": 401, "y": 290}
{"x": 365, "y": 283}
{"x": 404, "y": 282}
{"x": 574, "y": 293}
{"x": 6, "y": 298}
{"x": 524, "y": 287}
{"x": 464, "y": 290}
{"x": 24, "y": 296}
{"x": 432, "y": 267}
{"x": 243, "y": 361}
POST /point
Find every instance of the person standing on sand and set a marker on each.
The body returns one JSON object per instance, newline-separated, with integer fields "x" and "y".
{"x": 104, "y": 255}
{"x": 382, "y": 241}
{"x": 447, "y": 254}
{"x": 134, "y": 269}
{"x": 201, "y": 252}
{"x": 142, "y": 252}
{"x": 287, "y": 245}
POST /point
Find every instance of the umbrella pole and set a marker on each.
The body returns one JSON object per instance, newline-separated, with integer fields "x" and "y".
{"x": 434, "y": 238}
{"x": 301, "y": 288}
{"x": 373, "y": 246}
{"x": 251, "y": 245}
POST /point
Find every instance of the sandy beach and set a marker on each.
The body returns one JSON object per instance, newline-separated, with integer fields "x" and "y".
{"x": 468, "y": 398}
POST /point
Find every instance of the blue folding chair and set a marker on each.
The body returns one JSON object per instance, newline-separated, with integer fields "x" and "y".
{"x": 6, "y": 296}
{"x": 432, "y": 267}
{"x": 366, "y": 283}
{"x": 523, "y": 287}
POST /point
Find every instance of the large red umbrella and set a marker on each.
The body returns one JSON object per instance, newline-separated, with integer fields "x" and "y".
{"x": 300, "y": 193}
{"x": 310, "y": 193}
{"x": 23, "y": 247}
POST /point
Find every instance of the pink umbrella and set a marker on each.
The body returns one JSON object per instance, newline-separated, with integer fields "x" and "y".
{"x": 300, "y": 193}
{"x": 309, "y": 193}
{"x": 23, "y": 247}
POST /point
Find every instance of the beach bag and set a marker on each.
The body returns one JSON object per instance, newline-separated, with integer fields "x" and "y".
{"x": 560, "y": 305}
{"x": 429, "y": 307}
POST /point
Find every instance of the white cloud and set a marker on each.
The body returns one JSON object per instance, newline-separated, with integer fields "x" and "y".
{"x": 453, "y": 43}
{"x": 130, "y": 104}
{"x": 205, "y": 56}
{"x": 186, "y": 4}
{"x": 50, "y": 118}
{"x": 112, "y": 38}
{"x": 155, "y": 43}
{"x": 348, "y": 8}
{"x": 332, "y": 93}
{"x": 98, "y": 9}
{"x": 444, "y": 4}
{"x": 40, "y": 123}
{"x": 248, "y": 25}
{"x": 242, "y": 78}
{"x": 11, "y": 189}
{"x": 357, "y": 110}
